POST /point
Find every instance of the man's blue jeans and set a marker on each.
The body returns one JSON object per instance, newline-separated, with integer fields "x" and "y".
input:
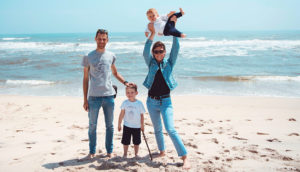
{"x": 95, "y": 103}
{"x": 165, "y": 108}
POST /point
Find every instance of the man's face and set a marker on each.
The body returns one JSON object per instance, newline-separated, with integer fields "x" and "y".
{"x": 101, "y": 40}
{"x": 152, "y": 17}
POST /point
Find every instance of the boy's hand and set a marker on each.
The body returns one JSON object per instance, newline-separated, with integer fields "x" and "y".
{"x": 147, "y": 34}
{"x": 142, "y": 128}
{"x": 119, "y": 128}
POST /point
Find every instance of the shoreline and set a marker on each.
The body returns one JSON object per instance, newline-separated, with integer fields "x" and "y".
{"x": 221, "y": 133}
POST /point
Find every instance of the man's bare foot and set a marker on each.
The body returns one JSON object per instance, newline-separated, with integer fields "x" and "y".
{"x": 183, "y": 35}
{"x": 181, "y": 11}
{"x": 91, "y": 156}
{"x": 186, "y": 163}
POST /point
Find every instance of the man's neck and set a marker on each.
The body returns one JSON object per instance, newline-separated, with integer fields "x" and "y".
{"x": 100, "y": 50}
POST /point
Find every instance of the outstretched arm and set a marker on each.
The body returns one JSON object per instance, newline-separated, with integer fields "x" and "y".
{"x": 118, "y": 75}
{"x": 146, "y": 52}
{"x": 171, "y": 13}
{"x": 174, "y": 51}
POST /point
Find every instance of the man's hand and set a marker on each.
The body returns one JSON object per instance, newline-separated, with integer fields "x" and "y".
{"x": 174, "y": 19}
{"x": 86, "y": 106}
{"x": 147, "y": 34}
{"x": 119, "y": 128}
{"x": 151, "y": 27}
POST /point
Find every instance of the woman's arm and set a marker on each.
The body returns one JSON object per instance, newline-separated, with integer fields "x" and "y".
{"x": 146, "y": 52}
{"x": 174, "y": 51}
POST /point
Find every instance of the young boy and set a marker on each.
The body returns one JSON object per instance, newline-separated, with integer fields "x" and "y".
{"x": 164, "y": 25}
{"x": 132, "y": 111}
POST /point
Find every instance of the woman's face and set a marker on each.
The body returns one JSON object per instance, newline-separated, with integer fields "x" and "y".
{"x": 159, "y": 54}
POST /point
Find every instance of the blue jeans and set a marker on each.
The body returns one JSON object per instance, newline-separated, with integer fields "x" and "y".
{"x": 164, "y": 107}
{"x": 108, "y": 105}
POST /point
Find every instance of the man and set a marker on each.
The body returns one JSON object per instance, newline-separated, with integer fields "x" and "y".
{"x": 98, "y": 90}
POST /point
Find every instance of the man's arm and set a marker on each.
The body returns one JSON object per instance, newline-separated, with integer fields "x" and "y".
{"x": 171, "y": 13}
{"x": 121, "y": 117}
{"x": 118, "y": 75}
{"x": 174, "y": 51}
{"x": 85, "y": 88}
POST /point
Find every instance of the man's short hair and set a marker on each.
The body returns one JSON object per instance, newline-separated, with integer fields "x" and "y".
{"x": 158, "y": 44}
{"x": 102, "y": 31}
{"x": 132, "y": 86}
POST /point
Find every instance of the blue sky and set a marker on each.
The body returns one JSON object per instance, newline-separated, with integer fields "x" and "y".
{"x": 72, "y": 16}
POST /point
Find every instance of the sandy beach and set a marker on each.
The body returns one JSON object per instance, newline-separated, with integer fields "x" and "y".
{"x": 221, "y": 134}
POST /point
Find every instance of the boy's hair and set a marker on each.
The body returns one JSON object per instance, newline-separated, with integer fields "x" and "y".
{"x": 152, "y": 10}
{"x": 102, "y": 31}
{"x": 132, "y": 86}
{"x": 158, "y": 44}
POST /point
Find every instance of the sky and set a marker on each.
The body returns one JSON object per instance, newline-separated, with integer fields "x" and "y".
{"x": 78, "y": 16}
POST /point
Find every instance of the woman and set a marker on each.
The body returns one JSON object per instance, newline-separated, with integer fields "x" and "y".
{"x": 159, "y": 83}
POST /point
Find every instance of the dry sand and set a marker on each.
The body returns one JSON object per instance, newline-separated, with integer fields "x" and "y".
{"x": 220, "y": 133}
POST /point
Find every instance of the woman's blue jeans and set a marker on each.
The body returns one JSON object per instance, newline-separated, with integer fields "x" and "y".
{"x": 165, "y": 108}
{"x": 108, "y": 104}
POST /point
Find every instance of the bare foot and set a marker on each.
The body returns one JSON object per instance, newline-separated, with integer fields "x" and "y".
{"x": 181, "y": 11}
{"x": 183, "y": 35}
{"x": 110, "y": 155}
{"x": 162, "y": 154}
{"x": 91, "y": 156}
{"x": 186, "y": 163}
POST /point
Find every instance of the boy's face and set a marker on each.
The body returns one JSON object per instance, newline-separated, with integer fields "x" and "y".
{"x": 152, "y": 17}
{"x": 131, "y": 93}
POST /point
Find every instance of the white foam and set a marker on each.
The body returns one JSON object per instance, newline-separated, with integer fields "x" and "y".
{"x": 11, "y": 39}
{"x": 29, "y": 82}
{"x": 277, "y": 78}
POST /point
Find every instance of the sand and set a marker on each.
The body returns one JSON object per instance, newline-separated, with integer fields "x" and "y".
{"x": 221, "y": 133}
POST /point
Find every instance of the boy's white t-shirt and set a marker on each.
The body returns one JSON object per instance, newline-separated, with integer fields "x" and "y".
{"x": 133, "y": 111}
{"x": 159, "y": 25}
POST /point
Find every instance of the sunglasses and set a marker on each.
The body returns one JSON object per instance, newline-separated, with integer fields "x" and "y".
{"x": 158, "y": 51}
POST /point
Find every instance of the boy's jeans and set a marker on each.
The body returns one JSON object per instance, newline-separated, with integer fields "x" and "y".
{"x": 164, "y": 107}
{"x": 95, "y": 104}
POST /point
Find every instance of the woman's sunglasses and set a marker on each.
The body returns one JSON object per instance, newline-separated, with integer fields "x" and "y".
{"x": 158, "y": 51}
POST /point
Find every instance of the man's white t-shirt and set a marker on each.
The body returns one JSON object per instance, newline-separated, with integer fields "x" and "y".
{"x": 133, "y": 111}
{"x": 159, "y": 25}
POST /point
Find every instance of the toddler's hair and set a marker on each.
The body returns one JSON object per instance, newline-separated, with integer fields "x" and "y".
{"x": 132, "y": 86}
{"x": 152, "y": 10}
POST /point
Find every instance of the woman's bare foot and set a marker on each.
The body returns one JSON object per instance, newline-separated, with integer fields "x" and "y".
{"x": 183, "y": 35}
{"x": 162, "y": 154}
{"x": 181, "y": 11}
{"x": 91, "y": 156}
{"x": 186, "y": 163}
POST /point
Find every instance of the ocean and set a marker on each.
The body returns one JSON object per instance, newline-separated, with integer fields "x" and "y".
{"x": 235, "y": 63}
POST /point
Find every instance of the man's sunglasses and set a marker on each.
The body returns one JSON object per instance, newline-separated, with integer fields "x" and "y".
{"x": 158, "y": 51}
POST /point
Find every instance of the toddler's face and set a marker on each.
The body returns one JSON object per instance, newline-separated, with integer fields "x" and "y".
{"x": 131, "y": 93}
{"x": 152, "y": 17}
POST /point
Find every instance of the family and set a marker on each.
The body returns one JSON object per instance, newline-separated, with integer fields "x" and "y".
{"x": 99, "y": 92}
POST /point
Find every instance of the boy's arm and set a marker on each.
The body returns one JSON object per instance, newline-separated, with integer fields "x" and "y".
{"x": 142, "y": 122}
{"x": 174, "y": 51}
{"x": 121, "y": 117}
